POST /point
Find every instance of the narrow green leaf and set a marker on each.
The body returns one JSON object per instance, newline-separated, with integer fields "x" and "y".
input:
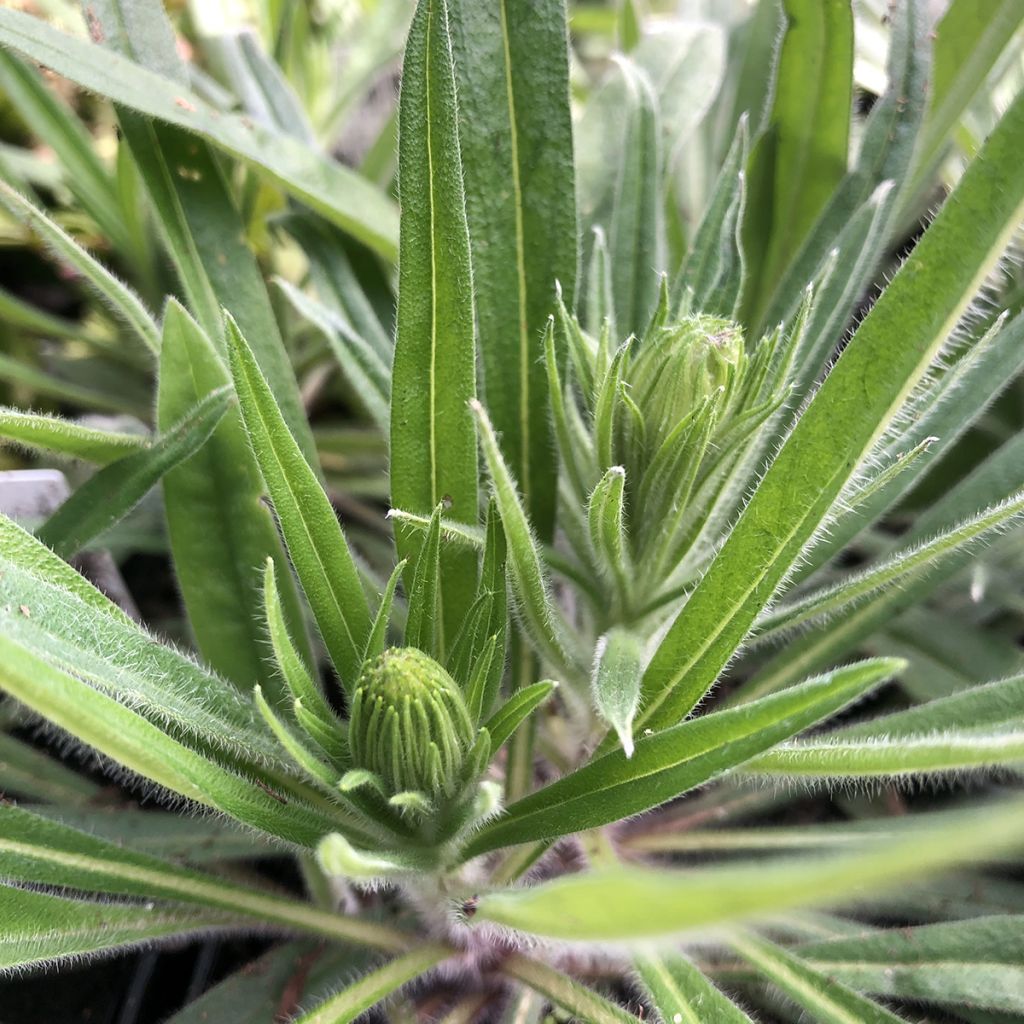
{"x": 120, "y": 299}
{"x": 929, "y": 754}
{"x": 57, "y": 127}
{"x": 504, "y": 722}
{"x": 244, "y": 996}
{"x": 962, "y": 963}
{"x": 577, "y": 999}
{"x": 538, "y": 613}
{"x": 884, "y": 153}
{"x": 311, "y": 531}
{"x": 606, "y": 520}
{"x": 686, "y": 62}
{"x": 669, "y": 763}
{"x": 914, "y": 558}
{"x": 41, "y": 432}
{"x": 195, "y": 211}
{"x": 814, "y": 991}
{"x": 977, "y": 707}
{"x": 40, "y": 929}
{"x": 308, "y": 759}
{"x": 716, "y": 255}
{"x": 968, "y": 41}
{"x": 996, "y": 479}
{"x": 52, "y": 384}
{"x": 423, "y": 626}
{"x": 77, "y": 629}
{"x": 342, "y": 196}
{"x": 163, "y": 834}
{"x": 802, "y": 156}
{"x": 682, "y": 994}
{"x": 950, "y": 406}
{"x": 615, "y": 682}
{"x": 366, "y": 372}
{"x": 39, "y": 850}
{"x": 515, "y": 132}
{"x": 124, "y": 736}
{"x": 433, "y": 449}
{"x": 217, "y": 567}
{"x": 636, "y": 230}
{"x": 634, "y": 903}
{"x": 28, "y": 772}
{"x": 354, "y": 999}
{"x": 289, "y": 661}
{"x": 114, "y": 491}
{"x": 378, "y": 634}
{"x": 871, "y": 380}
{"x": 19, "y": 313}
{"x": 336, "y": 283}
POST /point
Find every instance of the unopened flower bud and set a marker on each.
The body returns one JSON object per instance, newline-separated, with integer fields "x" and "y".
{"x": 409, "y": 724}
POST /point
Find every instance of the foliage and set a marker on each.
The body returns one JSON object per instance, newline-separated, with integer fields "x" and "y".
{"x": 702, "y": 485}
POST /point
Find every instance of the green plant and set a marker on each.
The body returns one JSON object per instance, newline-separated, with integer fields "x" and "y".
{"x": 675, "y": 468}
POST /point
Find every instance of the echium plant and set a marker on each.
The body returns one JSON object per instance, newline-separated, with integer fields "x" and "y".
{"x": 681, "y": 470}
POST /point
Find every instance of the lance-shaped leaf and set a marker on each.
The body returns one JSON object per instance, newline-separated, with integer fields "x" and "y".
{"x": 29, "y": 772}
{"x": 297, "y": 677}
{"x": 117, "y": 296}
{"x": 41, "y": 432}
{"x": 913, "y": 559}
{"x": 311, "y": 530}
{"x": 621, "y": 133}
{"x": 353, "y": 1000}
{"x": 582, "y": 1002}
{"x": 539, "y": 616}
{"x": 816, "y": 992}
{"x": 368, "y": 376}
{"x": 40, "y": 929}
{"x": 615, "y": 682}
{"x": 423, "y": 626}
{"x": 53, "y": 610}
{"x": 43, "y": 851}
{"x": 801, "y": 158}
{"x": 243, "y": 997}
{"x": 636, "y": 903}
{"x": 996, "y": 479}
{"x": 202, "y": 229}
{"x": 976, "y": 707}
{"x": 606, "y": 522}
{"x": 931, "y": 753}
{"x": 339, "y": 194}
{"x": 114, "y": 491}
{"x": 669, "y": 763}
{"x": 433, "y": 448}
{"x": 713, "y": 269}
{"x": 949, "y": 408}
{"x": 504, "y": 722}
{"x": 515, "y": 132}
{"x": 220, "y": 487}
{"x": 960, "y": 963}
{"x": 685, "y": 62}
{"x": 129, "y": 739}
{"x": 680, "y": 992}
{"x": 888, "y": 355}
{"x": 968, "y": 41}
{"x": 164, "y": 834}
{"x": 884, "y": 154}
{"x": 56, "y": 126}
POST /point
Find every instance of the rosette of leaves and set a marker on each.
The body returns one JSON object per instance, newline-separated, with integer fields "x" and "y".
{"x": 686, "y": 448}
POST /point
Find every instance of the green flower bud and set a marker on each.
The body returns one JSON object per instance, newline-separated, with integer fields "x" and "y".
{"x": 409, "y": 724}
{"x": 684, "y": 365}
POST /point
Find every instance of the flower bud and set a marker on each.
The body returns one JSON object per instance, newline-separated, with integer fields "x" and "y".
{"x": 685, "y": 365}
{"x": 409, "y": 724}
